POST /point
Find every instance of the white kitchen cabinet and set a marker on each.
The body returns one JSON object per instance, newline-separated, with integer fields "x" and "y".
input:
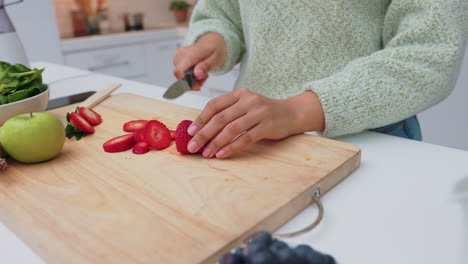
{"x": 159, "y": 56}
{"x": 144, "y": 56}
{"x": 125, "y": 62}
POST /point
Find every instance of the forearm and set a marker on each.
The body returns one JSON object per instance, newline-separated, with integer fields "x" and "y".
{"x": 306, "y": 113}
{"x": 221, "y": 17}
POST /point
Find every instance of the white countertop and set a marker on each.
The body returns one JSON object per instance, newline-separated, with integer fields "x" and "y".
{"x": 397, "y": 208}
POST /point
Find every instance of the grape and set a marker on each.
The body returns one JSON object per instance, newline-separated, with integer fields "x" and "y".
{"x": 230, "y": 258}
{"x": 254, "y": 246}
{"x": 239, "y": 251}
{"x": 309, "y": 255}
{"x": 287, "y": 255}
{"x": 263, "y": 249}
{"x": 277, "y": 245}
{"x": 328, "y": 260}
{"x": 263, "y": 238}
{"x": 262, "y": 257}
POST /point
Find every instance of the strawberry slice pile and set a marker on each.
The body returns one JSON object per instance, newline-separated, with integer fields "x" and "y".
{"x": 147, "y": 134}
{"x": 81, "y": 122}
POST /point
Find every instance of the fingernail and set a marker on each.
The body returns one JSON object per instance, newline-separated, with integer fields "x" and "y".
{"x": 192, "y": 130}
{"x": 199, "y": 74}
{"x": 220, "y": 154}
{"x": 192, "y": 146}
{"x": 206, "y": 153}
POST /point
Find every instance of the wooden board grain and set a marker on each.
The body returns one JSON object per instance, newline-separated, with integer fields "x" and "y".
{"x": 88, "y": 206}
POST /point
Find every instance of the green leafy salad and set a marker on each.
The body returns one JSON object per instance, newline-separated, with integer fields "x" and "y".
{"x": 18, "y": 82}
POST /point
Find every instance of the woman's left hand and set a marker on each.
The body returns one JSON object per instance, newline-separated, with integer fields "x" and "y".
{"x": 237, "y": 119}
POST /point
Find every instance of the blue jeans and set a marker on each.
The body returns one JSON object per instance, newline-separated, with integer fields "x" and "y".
{"x": 408, "y": 128}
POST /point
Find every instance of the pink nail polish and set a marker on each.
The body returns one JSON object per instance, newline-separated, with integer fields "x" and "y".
{"x": 220, "y": 154}
{"x": 206, "y": 153}
{"x": 192, "y": 146}
{"x": 192, "y": 130}
{"x": 200, "y": 74}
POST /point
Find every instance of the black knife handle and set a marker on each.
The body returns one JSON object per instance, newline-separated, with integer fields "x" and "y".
{"x": 190, "y": 76}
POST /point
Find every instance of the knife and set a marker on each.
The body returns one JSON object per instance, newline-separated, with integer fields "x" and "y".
{"x": 181, "y": 86}
{"x": 88, "y": 99}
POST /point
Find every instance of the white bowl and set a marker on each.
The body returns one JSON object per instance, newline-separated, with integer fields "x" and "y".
{"x": 37, "y": 103}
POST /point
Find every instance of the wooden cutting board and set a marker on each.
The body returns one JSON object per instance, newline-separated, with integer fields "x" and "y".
{"x": 88, "y": 206}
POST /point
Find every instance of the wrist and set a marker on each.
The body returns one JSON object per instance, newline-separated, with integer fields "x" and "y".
{"x": 306, "y": 113}
{"x": 215, "y": 42}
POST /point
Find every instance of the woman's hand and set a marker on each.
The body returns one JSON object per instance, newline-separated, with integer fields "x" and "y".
{"x": 237, "y": 119}
{"x": 208, "y": 53}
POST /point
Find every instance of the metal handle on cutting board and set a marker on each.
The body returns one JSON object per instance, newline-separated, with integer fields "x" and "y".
{"x": 315, "y": 200}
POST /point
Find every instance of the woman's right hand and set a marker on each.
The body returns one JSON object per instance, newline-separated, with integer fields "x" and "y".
{"x": 208, "y": 53}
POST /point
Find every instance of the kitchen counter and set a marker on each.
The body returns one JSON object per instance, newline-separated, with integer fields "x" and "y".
{"x": 397, "y": 208}
{"x": 122, "y": 38}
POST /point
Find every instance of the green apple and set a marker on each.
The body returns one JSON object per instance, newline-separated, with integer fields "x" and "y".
{"x": 33, "y": 137}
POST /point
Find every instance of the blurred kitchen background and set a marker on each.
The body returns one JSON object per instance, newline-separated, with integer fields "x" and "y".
{"x": 137, "y": 40}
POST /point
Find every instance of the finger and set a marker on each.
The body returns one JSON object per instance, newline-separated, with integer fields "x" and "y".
{"x": 251, "y": 136}
{"x": 198, "y": 84}
{"x": 229, "y": 133}
{"x": 185, "y": 58}
{"x": 203, "y": 68}
{"x": 216, "y": 125}
{"x": 213, "y": 107}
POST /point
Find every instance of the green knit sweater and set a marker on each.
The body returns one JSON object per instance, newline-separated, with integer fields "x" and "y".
{"x": 371, "y": 62}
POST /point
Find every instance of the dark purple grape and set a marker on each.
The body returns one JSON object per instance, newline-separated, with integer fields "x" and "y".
{"x": 230, "y": 258}
{"x": 263, "y": 238}
{"x": 286, "y": 256}
{"x": 309, "y": 255}
{"x": 239, "y": 251}
{"x": 327, "y": 259}
{"x": 277, "y": 245}
{"x": 261, "y": 257}
{"x": 253, "y": 247}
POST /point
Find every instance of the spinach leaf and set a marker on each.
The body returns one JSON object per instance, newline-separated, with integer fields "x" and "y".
{"x": 18, "y": 82}
{"x": 23, "y": 94}
{"x": 3, "y": 99}
{"x": 4, "y": 66}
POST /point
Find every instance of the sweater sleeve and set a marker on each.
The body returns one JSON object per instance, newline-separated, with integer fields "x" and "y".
{"x": 416, "y": 69}
{"x": 222, "y": 17}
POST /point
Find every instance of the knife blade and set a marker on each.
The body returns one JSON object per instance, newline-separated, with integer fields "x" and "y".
{"x": 181, "y": 86}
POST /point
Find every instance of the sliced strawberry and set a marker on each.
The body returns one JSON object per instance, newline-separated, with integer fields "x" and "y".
{"x": 139, "y": 135}
{"x": 141, "y": 148}
{"x": 134, "y": 125}
{"x": 173, "y": 133}
{"x": 182, "y": 138}
{"x": 81, "y": 123}
{"x": 157, "y": 135}
{"x": 90, "y": 115}
{"x": 119, "y": 144}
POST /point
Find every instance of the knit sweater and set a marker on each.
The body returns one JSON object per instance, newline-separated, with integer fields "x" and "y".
{"x": 370, "y": 62}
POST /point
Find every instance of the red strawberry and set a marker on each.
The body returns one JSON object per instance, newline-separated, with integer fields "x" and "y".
{"x": 90, "y": 115}
{"x": 139, "y": 135}
{"x": 141, "y": 148}
{"x": 134, "y": 125}
{"x": 81, "y": 123}
{"x": 173, "y": 133}
{"x": 119, "y": 144}
{"x": 182, "y": 138}
{"x": 157, "y": 135}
